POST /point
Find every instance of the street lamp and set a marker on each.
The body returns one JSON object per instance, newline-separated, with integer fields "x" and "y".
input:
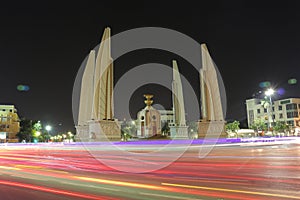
{"x": 48, "y": 128}
{"x": 269, "y": 94}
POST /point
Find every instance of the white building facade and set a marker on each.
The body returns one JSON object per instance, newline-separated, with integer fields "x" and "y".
{"x": 285, "y": 110}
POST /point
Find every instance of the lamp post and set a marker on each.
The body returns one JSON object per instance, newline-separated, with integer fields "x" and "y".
{"x": 269, "y": 94}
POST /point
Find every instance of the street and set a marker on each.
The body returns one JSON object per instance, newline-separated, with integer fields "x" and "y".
{"x": 252, "y": 170}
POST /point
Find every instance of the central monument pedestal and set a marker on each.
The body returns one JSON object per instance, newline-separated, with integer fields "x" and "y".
{"x": 99, "y": 131}
{"x": 211, "y": 129}
{"x": 179, "y": 132}
{"x": 104, "y": 130}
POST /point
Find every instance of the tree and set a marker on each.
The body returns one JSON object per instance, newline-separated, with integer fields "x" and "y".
{"x": 128, "y": 130}
{"x": 258, "y": 125}
{"x": 165, "y": 129}
{"x": 232, "y": 127}
{"x": 26, "y": 130}
{"x": 265, "y": 103}
{"x": 281, "y": 126}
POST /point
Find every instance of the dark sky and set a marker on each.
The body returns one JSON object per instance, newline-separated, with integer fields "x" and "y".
{"x": 42, "y": 44}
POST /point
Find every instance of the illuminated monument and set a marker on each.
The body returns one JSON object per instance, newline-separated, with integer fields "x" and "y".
{"x": 149, "y": 122}
{"x": 96, "y": 115}
{"x": 212, "y": 122}
{"x": 178, "y": 129}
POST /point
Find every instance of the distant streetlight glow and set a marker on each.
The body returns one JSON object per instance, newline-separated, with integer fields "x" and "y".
{"x": 48, "y": 128}
{"x": 269, "y": 92}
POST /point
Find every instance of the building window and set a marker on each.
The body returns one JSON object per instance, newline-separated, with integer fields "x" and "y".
{"x": 273, "y": 117}
{"x": 280, "y": 116}
{"x": 258, "y": 111}
{"x": 292, "y": 114}
{"x": 291, "y": 106}
{"x": 265, "y": 110}
{"x": 279, "y": 107}
{"x": 3, "y": 110}
{"x": 285, "y": 101}
{"x": 291, "y": 123}
{"x": 273, "y": 109}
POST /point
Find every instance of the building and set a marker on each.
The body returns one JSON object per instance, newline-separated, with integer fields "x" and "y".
{"x": 286, "y": 110}
{"x": 9, "y": 123}
{"x": 149, "y": 122}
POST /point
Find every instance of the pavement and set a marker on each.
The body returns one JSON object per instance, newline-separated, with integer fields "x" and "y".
{"x": 246, "y": 169}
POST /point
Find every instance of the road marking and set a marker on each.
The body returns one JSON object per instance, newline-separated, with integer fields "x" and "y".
{"x": 230, "y": 190}
{"x": 166, "y": 196}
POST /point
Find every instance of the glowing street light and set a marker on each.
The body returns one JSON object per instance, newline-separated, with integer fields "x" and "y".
{"x": 48, "y": 128}
{"x": 269, "y": 94}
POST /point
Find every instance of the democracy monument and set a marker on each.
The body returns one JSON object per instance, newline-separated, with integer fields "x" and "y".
{"x": 96, "y": 120}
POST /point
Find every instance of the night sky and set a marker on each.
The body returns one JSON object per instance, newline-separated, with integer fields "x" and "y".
{"x": 43, "y": 43}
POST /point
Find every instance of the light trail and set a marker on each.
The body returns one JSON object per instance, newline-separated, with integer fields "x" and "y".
{"x": 227, "y": 172}
{"x": 54, "y": 191}
{"x": 121, "y": 183}
{"x": 231, "y": 190}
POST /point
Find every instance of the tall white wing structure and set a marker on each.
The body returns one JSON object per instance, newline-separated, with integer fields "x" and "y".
{"x": 211, "y": 105}
{"x": 178, "y": 101}
{"x": 103, "y": 98}
{"x": 87, "y": 91}
{"x": 178, "y": 130}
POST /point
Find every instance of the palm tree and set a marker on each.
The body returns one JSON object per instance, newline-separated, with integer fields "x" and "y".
{"x": 265, "y": 103}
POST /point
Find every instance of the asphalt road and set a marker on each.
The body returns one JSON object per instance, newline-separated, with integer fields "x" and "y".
{"x": 268, "y": 170}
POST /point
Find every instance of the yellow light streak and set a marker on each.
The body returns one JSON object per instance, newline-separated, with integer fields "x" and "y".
{"x": 230, "y": 190}
{"x": 120, "y": 183}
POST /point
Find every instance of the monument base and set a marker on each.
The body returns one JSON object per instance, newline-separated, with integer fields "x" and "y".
{"x": 99, "y": 131}
{"x": 211, "y": 129}
{"x": 82, "y": 133}
{"x": 104, "y": 130}
{"x": 179, "y": 132}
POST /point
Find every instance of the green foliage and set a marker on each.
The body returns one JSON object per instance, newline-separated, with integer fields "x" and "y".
{"x": 259, "y": 125}
{"x": 26, "y": 130}
{"x": 232, "y": 127}
{"x": 37, "y": 126}
{"x": 128, "y": 130}
{"x": 165, "y": 129}
{"x": 265, "y": 102}
{"x": 281, "y": 126}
